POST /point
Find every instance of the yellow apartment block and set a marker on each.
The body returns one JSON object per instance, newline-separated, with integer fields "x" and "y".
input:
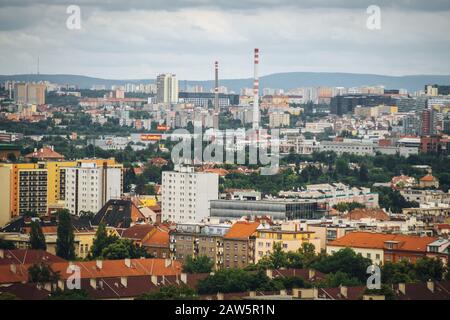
{"x": 290, "y": 240}
{"x": 34, "y": 186}
{"x": 5, "y": 195}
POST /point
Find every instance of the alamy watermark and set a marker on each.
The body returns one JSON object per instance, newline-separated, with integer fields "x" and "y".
{"x": 374, "y": 280}
{"x": 73, "y": 21}
{"x": 374, "y": 20}
{"x": 231, "y": 146}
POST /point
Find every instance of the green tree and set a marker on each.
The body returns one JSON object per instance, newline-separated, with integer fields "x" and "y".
{"x": 363, "y": 173}
{"x": 278, "y": 256}
{"x": 333, "y": 280}
{"x": 429, "y": 269}
{"x": 400, "y": 272}
{"x": 7, "y": 245}
{"x": 37, "y": 238}
{"x": 122, "y": 249}
{"x": 201, "y": 264}
{"x": 101, "y": 241}
{"x": 346, "y": 261}
{"x": 234, "y": 280}
{"x": 42, "y": 273}
{"x": 65, "y": 242}
{"x": 170, "y": 292}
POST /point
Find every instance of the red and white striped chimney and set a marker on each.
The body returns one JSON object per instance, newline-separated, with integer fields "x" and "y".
{"x": 256, "y": 92}
{"x": 216, "y": 88}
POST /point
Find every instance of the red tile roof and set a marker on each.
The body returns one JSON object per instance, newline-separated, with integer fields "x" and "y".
{"x": 27, "y": 256}
{"x": 377, "y": 241}
{"x": 242, "y": 230}
{"x": 137, "y": 232}
{"x": 159, "y": 238}
{"x": 428, "y": 178}
{"x": 89, "y": 269}
{"x": 45, "y": 153}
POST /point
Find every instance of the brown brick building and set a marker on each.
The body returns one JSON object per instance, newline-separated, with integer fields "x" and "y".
{"x": 195, "y": 239}
{"x": 239, "y": 245}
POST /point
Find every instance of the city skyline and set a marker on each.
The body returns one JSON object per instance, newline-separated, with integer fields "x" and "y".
{"x": 138, "y": 40}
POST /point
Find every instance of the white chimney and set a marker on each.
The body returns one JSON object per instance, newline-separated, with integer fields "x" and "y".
{"x": 344, "y": 291}
{"x": 312, "y": 273}
{"x": 167, "y": 262}
{"x": 2, "y": 253}
{"x": 13, "y": 268}
{"x": 93, "y": 283}
{"x": 269, "y": 274}
{"x": 154, "y": 280}
{"x": 99, "y": 264}
{"x": 402, "y": 288}
{"x": 124, "y": 281}
{"x": 430, "y": 285}
{"x": 128, "y": 262}
{"x": 61, "y": 285}
{"x": 183, "y": 278}
{"x": 48, "y": 286}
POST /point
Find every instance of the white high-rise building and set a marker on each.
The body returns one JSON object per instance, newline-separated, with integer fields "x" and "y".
{"x": 186, "y": 194}
{"x": 166, "y": 88}
{"x": 87, "y": 186}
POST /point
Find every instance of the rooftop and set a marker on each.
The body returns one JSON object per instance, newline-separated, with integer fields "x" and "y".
{"x": 377, "y": 241}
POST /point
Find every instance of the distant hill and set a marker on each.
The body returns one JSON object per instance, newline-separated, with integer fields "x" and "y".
{"x": 278, "y": 80}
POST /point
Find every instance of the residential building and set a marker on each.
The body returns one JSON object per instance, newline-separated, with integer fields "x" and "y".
{"x": 154, "y": 238}
{"x": 429, "y": 181}
{"x": 206, "y": 99}
{"x": 427, "y": 197}
{"x": 186, "y": 195}
{"x": 89, "y": 185}
{"x": 239, "y": 245}
{"x": 18, "y": 232}
{"x": 119, "y": 213}
{"x": 289, "y": 236}
{"x": 167, "y": 88}
{"x": 29, "y": 93}
{"x": 381, "y": 247}
{"x": 197, "y": 239}
{"x": 279, "y": 119}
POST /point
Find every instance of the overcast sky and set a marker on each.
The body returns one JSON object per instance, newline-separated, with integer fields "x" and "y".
{"x": 130, "y": 39}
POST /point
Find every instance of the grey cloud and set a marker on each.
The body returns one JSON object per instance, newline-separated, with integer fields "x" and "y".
{"x": 171, "y": 5}
{"x": 141, "y": 43}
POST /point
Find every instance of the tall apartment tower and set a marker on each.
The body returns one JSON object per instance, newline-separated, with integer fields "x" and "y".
{"x": 166, "y": 88}
{"x": 256, "y": 116}
{"x": 32, "y": 93}
{"x": 428, "y": 122}
{"x": 88, "y": 186}
{"x": 216, "y": 87}
{"x": 186, "y": 194}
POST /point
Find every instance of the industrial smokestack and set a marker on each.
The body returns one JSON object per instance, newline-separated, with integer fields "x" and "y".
{"x": 216, "y": 88}
{"x": 256, "y": 92}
